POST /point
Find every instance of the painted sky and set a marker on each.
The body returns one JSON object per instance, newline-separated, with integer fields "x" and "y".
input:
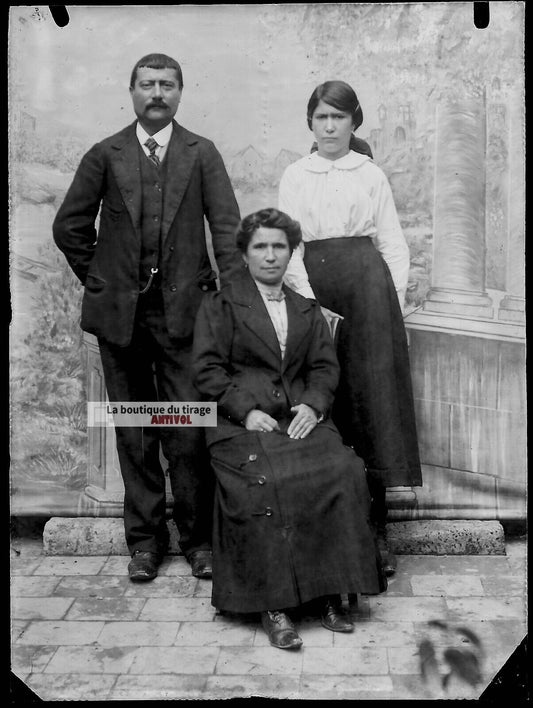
{"x": 236, "y": 83}
{"x": 250, "y": 69}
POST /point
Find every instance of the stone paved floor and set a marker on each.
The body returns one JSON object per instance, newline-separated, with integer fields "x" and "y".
{"x": 82, "y": 631}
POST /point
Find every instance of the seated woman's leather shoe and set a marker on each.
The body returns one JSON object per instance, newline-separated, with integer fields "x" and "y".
{"x": 333, "y": 617}
{"x": 280, "y": 630}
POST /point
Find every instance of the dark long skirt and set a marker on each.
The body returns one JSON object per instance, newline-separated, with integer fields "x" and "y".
{"x": 291, "y": 522}
{"x": 373, "y": 409}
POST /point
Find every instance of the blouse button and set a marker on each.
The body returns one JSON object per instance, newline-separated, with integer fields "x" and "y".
{"x": 252, "y": 457}
{"x": 261, "y": 480}
{"x": 268, "y": 511}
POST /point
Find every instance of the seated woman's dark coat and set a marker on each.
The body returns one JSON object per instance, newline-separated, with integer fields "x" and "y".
{"x": 291, "y": 516}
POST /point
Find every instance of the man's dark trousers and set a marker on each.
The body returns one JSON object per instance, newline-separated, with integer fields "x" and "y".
{"x": 155, "y": 367}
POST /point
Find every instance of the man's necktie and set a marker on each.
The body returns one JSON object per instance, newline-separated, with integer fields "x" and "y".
{"x": 152, "y": 145}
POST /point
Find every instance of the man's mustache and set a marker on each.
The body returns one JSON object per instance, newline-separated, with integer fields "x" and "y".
{"x": 157, "y": 104}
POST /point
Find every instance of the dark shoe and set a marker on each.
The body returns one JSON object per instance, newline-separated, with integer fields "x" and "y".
{"x": 388, "y": 559}
{"x": 143, "y": 565}
{"x": 333, "y": 617}
{"x": 201, "y": 564}
{"x": 280, "y": 630}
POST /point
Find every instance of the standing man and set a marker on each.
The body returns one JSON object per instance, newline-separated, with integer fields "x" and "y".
{"x": 144, "y": 275}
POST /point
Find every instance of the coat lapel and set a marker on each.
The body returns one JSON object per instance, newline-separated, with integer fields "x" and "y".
{"x": 127, "y": 171}
{"x": 298, "y": 324}
{"x": 180, "y": 159}
{"x": 255, "y": 316}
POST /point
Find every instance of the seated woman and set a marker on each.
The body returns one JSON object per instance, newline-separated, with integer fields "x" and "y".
{"x": 291, "y": 516}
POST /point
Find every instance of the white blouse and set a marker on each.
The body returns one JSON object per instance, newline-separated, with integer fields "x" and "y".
{"x": 350, "y": 196}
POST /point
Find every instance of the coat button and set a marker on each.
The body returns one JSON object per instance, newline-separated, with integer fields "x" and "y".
{"x": 204, "y": 287}
{"x": 268, "y": 511}
{"x": 276, "y": 393}
{"x": 173, "y": 288}
{"x": 171, "y": 248}
{"x": 252, "y": 457}
{"x": 262, "y": 479}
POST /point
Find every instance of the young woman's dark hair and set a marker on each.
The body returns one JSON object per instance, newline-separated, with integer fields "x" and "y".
{"x": 269, "y": 218}
{"x": 338, "y": 94}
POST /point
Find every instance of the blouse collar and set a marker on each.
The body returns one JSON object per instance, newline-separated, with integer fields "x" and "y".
{"x": 315, "y": 163}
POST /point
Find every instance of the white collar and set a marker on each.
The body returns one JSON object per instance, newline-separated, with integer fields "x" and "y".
{"x": 268, "y": 290}
{"x": 162, "y": 137}
{"x": 315, "y": 163}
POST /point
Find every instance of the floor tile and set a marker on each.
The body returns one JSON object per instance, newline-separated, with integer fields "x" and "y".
{"x": 115, "y": 565}
{"x": 174, "y": 660}
{"x": 406, "y": 609}
{"x": 377, "y": 634}
{"x": 18, "y": 627}
{"x": 351, "y": 661}
{"x": 485, "y": 608}
{"x": 91, "y": 586}
{"x": 259, "y": 660}
{"x": 33, "y": 586}
{"x": 106, "y": 608}
{"x": 203, "y": 588}
{"x": 70, "y": 565}
{"x": 504, "y": 586}
{"x": 162, "y": 587}
{"x": 403, "y": 660}
{"x": 34, "y": 608}
{"x": 176, "y": 609}
{"x": 61, "y": 633}
{"x": 71, "y": 687}
{"x": 222, "y": 687}
{"x": 410, "y": 687}
{"x": 216, "y": 634}
{"x": 24, "y": 566}
{"x": 175, "y": 565}
{"x": 446, "y": 585}
{"x": 422, "y": 565}
{"x": 324, "y": 687}
{"x": 91, "y": 660}
{"x": 138, "y": 634}
{"x": 399, "y": 584}
{"x": 158, "y": 687}
{"x": 30, "y": 659}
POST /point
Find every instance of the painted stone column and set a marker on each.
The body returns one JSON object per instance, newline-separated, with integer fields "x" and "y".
{"x": 104, "y": 493}
{"x": 467, "y": 358}
{"x": 458, "y": 276}
{"x": 512, "y": 307}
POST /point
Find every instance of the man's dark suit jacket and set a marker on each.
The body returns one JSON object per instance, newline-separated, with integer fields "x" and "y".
{"x": 109, "y": 176}
{"x": 238, "y": 362}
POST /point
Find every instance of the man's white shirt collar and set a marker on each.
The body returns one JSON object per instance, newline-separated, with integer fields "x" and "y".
{"x": 162, "y": 137}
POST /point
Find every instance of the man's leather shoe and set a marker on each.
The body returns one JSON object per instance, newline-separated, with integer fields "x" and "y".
{"x": 201, "y": 564}
{"x": 333, "y": 617}
{"x": 388, "y": 559}
{"x": 143, "y": 566}
{"x": 280, "y": 630}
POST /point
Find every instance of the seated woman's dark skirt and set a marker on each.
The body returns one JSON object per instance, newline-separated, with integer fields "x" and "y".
{"x": 374, "y": 408}
{"x": 291, "y": 521}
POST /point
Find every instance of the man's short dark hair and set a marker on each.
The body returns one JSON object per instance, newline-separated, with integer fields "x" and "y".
{"x": 269, "y": 218}
{"x": 157, "y": 61}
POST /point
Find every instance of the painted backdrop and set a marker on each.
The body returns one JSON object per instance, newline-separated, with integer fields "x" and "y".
{"x": 248, "y": 71}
